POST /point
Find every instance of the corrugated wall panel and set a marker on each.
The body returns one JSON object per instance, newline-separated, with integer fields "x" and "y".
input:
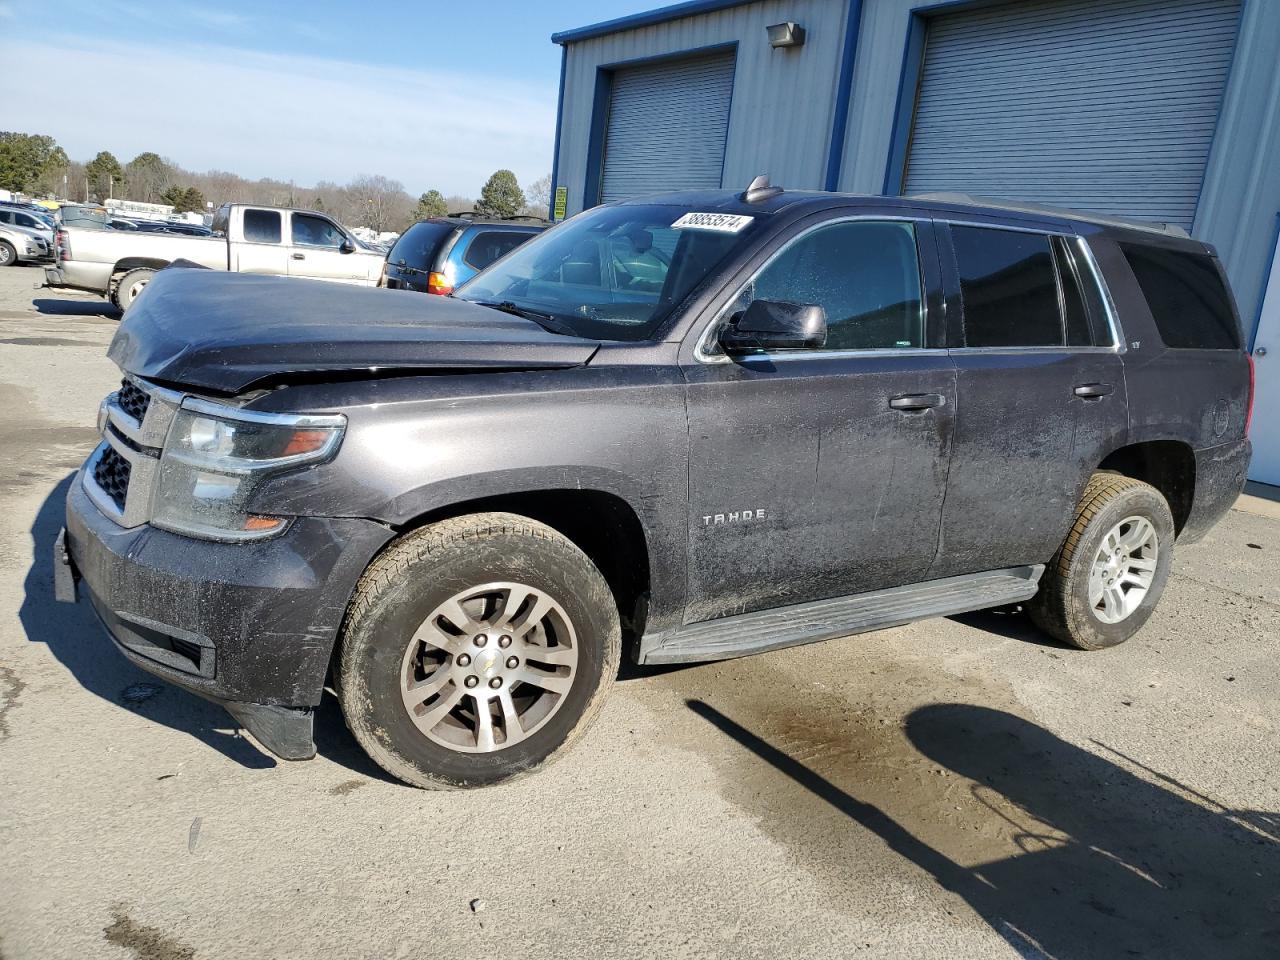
{"x": 1241, "y": 197}
{"x": 782, "y": 100}
{"x": 667, "y": 126}
{"x": 1109, "y": 105}
{"x": 783, "y": 109}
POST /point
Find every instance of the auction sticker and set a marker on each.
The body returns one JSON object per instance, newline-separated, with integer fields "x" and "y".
{"x": 719, "y": 222}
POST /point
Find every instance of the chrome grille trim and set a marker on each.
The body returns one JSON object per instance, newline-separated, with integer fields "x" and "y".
{"x": 139, "y": 443}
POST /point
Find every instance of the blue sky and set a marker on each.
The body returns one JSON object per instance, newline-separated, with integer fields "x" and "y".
{"x": 436, "y": 95}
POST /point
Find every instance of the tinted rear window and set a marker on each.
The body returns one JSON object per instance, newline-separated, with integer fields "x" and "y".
{"x": 418, "y": 246}
{"x": 488, "y": 245}
{"x": 1187, "y": 297}
{"x": 1009, "y": 288}
{"x": 262, "y": 226}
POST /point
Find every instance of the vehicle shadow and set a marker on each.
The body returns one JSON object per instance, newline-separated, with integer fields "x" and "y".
{"x": 1010, "y": 622}
{"x": 1115, "y": 859}
{"x": 74, "y": 636}
{"x": 75, "y": 308}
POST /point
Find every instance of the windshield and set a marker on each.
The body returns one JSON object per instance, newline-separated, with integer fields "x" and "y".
{"x": 612, "y": 273}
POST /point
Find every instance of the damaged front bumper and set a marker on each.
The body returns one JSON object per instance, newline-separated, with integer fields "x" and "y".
{"x": 248, "y": 625}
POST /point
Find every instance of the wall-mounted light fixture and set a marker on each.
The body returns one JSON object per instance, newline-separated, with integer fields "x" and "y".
{"x": 789, "y": 34}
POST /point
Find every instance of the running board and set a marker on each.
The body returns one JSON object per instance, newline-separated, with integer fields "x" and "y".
{"x": 749, "y": 633}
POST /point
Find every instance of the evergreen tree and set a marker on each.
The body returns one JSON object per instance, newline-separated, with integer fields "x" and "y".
{"x": 431, "y": 204}
{"x": 501, "y": 196}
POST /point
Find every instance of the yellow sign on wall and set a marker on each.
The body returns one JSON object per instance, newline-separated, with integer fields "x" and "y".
{"x": 561, "y": 204}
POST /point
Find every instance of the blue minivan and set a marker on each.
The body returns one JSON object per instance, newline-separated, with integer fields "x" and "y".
{"x": 442, "y": 253}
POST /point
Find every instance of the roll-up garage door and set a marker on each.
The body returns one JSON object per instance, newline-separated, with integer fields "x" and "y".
{"x": 667, "y": 127}
{"x": 1105, "y": 105}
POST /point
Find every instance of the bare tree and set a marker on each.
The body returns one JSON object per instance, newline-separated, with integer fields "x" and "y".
{"x": 379, "y": 203}
{"x": 147, "y": 176}
{"x": 369, "y": 200}
{"x": 537, "y": 197}
{"x": 458, "y": 203}
{"x": 220, "y": 186}
{"x": 77, "y": 181}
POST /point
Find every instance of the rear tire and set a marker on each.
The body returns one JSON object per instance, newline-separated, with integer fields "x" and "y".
{"x": 8, "y": 255}
{"x": 1107, "y": 577}
{"x": 130, "y": 285}
{"x": 492, "y": 612}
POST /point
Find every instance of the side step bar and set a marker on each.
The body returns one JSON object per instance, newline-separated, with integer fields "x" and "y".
{"x": 749, "y": 633}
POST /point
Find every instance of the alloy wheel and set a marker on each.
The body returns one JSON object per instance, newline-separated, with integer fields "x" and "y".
{"x": 1123, "y": 569}
{"x": 489, "y": 667}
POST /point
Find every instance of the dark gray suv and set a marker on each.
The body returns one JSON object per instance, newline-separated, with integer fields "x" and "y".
{"x": 685, "y": 428}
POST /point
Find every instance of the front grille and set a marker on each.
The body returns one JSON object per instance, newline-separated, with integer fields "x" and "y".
{"x": 111, "y": 474}
{"x": 133, "y": 401}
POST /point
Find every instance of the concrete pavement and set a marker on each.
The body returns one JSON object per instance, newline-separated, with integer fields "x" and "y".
{"x": 957, "y": 788}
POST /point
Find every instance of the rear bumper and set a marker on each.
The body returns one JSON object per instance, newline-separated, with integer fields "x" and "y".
{"x": 249, "y": 625}
{"x": 93, "y": 277}
{"x": 1220, "y": 477}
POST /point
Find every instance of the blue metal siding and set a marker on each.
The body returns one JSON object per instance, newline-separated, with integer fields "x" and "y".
{"x": 843, "y": 91}
{"x": 555, "y": 150}
{"x": 783, "y": 105}
{"x": 667, "y": 125}
{"x": 648, "y": 18}
{"x": 784, "y": 108}
{"x": 1241, "y": 196}
{"x": 1107, "y": 106}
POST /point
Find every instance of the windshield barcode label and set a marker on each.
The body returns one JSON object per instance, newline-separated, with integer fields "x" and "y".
{"x": 720, "y": 222}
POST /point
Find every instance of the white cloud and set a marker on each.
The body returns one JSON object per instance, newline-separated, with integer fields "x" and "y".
{"x": 216, "y": 18}
{"x": 268, "y": 115}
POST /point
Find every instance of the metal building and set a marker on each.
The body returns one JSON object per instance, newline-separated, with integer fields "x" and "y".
{"x": 1162, "y": 109}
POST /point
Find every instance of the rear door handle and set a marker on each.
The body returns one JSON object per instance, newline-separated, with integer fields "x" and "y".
{"x": 917, "y": 401}
{"x": 1093, "y": 391}
{"x": 299, "y": 256}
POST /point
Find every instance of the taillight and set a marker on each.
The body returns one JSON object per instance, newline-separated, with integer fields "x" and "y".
{"x": 439, "y": 283}
{"x": 64, "y": 245}
{"x": 1248, "y": 410}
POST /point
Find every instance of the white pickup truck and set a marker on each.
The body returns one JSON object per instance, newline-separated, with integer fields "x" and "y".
{"x": 247, "y": 239}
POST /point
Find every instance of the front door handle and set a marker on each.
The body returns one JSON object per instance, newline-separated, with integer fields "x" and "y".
{"x": 917, "y": 401}
{"x": 1093, "y": 391}
{"x": 299, "y": 256}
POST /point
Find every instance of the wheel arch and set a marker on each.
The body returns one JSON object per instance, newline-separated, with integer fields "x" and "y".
{"x": 601, "y": 523}
{"x": 134, "y": 263}
{"x": 1167, "y": 465}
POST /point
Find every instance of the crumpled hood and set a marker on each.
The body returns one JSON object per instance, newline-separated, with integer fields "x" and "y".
{"x": 228, "y": 332}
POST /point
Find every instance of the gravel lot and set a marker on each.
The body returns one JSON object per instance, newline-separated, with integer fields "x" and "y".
{"x": 957, "y": 788}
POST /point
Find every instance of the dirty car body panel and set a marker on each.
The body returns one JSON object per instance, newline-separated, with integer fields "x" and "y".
{"x": 757, "y": 482}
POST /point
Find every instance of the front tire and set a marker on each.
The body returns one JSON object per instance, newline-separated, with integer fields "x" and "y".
{"x": 476, "y": 650}
{"x": 8, "y": 255}
{"x": 1107, "y": 577}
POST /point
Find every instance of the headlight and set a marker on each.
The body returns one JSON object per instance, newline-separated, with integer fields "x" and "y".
{"x": 216, "y": 456}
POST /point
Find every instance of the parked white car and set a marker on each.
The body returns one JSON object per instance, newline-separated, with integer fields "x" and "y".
{"x": 28, "y": 220}
{"x": 20, "y": 245}
{"x": 276, "y": 241}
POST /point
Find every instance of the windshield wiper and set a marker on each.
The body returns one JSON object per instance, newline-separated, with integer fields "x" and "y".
{"x": 544, "y": 320}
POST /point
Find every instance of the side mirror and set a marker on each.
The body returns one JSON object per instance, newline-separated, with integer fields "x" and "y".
{"x": 347, "y": 247}
{"x": 775, "y": 325}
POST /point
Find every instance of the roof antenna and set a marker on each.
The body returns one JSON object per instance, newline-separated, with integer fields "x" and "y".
{"x": 759, "y": 190}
